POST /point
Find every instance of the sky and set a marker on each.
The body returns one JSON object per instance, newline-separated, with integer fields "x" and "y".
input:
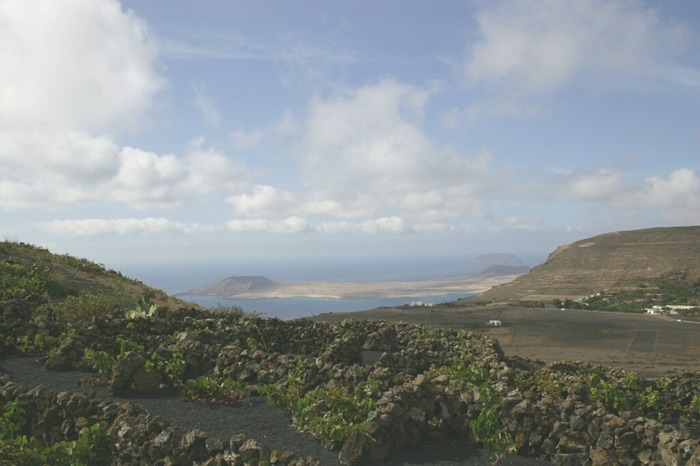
{"x": 150, "y": 132}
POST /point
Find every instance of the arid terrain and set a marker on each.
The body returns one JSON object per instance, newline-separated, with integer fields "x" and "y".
{"x": 621, "y": 260}
{"x": 260, "y": 287}
{"x": 649, "y": 345}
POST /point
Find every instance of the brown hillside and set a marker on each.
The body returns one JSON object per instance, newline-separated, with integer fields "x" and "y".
{"x": 233, "y": 286}
{"x": 613, "y": 261}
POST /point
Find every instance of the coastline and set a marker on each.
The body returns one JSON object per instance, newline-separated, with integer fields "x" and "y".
{"x": 472, "y": 284}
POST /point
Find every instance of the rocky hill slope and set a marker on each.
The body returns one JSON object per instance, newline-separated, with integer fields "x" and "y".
{"x": 624, "y": 260}
{"x": 233, "y": 286}
{"x": 27, "y": 270}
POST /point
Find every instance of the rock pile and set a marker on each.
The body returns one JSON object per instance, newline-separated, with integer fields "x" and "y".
{"x": 136, "y": 436}
{"x": 426, "y": 382}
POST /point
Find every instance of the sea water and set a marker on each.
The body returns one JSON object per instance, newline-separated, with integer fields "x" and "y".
{"x": 177, "y": 277}
{"x": 297, "y": 307}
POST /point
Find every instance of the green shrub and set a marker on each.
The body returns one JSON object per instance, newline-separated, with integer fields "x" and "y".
{"x": 486, "y": 427}
{"x": 39, "y": 344}
{"x": 18, "y": 281}
{"x": 173, "y": 367}
{"x": 102, "y": 361}
{"x": 694, "y": 406}
{"x": 208, "y": 389}
{"x": 15, "y": 449}
{"x": 285, "y": 396}
{"x": 81, "y": 264}
{"x": 144, "y": 309}
{"x": 85, "y": 306}
{"x": 332, "y": 414}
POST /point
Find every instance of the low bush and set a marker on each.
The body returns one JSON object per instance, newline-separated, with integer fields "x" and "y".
{"x": 330, "y": 414}
{"x": 17, "y": 449}
{"x": 85, "y": 306}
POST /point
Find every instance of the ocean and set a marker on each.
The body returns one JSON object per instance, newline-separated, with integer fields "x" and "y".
{"x": 294, "y": 308}
{"x": 177, "y": 277}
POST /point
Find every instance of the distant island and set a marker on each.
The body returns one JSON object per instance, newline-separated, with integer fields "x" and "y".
{"x": 245, "y": 287}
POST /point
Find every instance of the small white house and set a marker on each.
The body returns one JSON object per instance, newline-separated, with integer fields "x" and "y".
{"x": 495, "y": 323}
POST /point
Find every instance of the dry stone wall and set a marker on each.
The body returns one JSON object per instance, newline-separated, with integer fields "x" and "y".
{"x": 542, "y": 412}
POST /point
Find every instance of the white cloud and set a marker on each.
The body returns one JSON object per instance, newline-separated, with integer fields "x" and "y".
{"x": 584, "y": 185}
{"x": 382, "y": 225}
{"x": 675, "y": 199}
{"x": 207, "y": 107}
{"x": 518, "y": 223}
{"x": 146, "y": 178}
{"x": 532, "y": 46}
{"x": 48, "y": 168}
{"x": 74, "y": 64}
{"x": 366, "y": 153}
{"x": 53, "y": 167}
{"x": 70, "y": 73}
{"x": 209, "y": 170}
{"x": 389, "y": 225}
{"x": 122, "y": 226}
{"x": 263, "y": 201}
{"x": 289, "y": 225}
{"x": 245, "y": 140}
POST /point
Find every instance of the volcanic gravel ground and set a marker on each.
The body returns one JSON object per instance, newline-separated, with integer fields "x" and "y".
{"x": 253, "y": 417}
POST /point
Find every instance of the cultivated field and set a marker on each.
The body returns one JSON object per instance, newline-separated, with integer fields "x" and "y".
{"x": 649, "y": 345}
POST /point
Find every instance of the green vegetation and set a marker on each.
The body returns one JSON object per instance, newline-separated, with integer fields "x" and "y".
{"x": 486, "y": 427}
{"x": 207, "y": 389}
{"x": 672, "y": 289}
{"x": 331, "y": 414}
{"x": 38, "y": 344}
{"x": 101, "y": 361}
{"x": 173, "y": 367}
{"x": 331, "y": 409}
{"x": 649, "y": 397}
{"x": 18, "y": 281}
{"x": 89, "y": 449}
{"x": 85, "y": 306}
{"x": 625, "y": 392}
{"x": 144, "y": 309}
{"x": 29, "y": 272}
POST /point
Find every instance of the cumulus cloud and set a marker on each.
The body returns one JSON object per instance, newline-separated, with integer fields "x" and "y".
{"x": 672, "y": 199}
{"x": 264, "y": 200}
{"x": 289, "y": 225}
{"x": 206, "y": 107}
{"x": 365, "y": 156}
{"x": 74, "y": 64}
{"x": 72, "y": 75}
{"x": 55, "y": 168}
{"x": 587, "y": 185}
{"x": 365, "y": 152}
{"x": 676, "y": 198}
{"x": 122, "y": 226}
{"x": 534, "y": 47}
{"x": 381, "y": 225}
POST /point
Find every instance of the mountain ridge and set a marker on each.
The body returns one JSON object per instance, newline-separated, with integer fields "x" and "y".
{"x": 622, "y": 260}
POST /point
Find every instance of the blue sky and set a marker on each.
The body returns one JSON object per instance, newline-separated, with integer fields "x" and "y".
{"x": 143, "y": 131}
